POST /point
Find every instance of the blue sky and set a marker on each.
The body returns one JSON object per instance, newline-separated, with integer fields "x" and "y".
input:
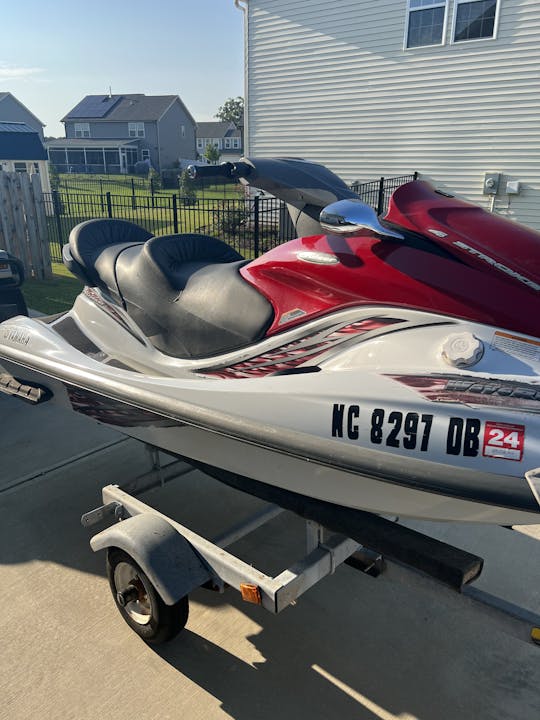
{"x": 54, "y": 53}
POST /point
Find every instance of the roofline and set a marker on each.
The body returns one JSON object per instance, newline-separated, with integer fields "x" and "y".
{"x": 177, "y": 97}
{"x": 24, "y": 106}
{"x": 67, "y": 118}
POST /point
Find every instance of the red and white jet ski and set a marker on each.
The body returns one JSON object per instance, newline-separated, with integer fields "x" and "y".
{"x": 390, "y": 365}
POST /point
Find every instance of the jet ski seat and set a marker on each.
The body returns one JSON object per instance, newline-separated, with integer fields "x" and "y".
{"x": 185, "y": 292}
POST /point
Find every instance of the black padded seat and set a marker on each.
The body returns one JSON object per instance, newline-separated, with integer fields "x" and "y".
{"x": 95, "y": 245}
{"x": 186, "y": 294}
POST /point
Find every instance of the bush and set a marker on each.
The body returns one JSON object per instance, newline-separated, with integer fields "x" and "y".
{"x": 155, "y": 179}
{"x": 141, "y": 168}
{"x": 230, "y": 221}
{"x": 169, "y": 179}
{"x": 187, "y": 189}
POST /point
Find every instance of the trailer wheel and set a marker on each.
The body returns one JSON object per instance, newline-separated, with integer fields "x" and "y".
{"x": 140, "y": 604}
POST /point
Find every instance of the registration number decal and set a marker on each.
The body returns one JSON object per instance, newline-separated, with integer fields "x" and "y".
{"x": 412, "y": 431}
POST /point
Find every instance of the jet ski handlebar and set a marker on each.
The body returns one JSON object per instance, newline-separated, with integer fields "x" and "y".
{"x": 226, "y": 170}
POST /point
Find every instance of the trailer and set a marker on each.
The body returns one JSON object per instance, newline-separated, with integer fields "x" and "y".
{"x": 154, "y": 562}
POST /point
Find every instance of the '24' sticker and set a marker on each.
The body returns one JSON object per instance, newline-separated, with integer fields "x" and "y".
{"x": 504, "y": 440}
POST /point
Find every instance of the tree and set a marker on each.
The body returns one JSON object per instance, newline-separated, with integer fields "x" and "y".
{"x": 187, "y": 189}
{"x": 154, "y": 179}
{"x": 232, "y": 110}
{"x": 211, "y": 153}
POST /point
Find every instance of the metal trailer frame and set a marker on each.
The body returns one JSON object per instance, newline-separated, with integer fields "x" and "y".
{"x": 209, "y": 561}
{"x": 177, "y": 560}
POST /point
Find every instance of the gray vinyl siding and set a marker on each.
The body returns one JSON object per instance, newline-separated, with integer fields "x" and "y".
{"x": 173, "y": 145}
{"x": 162, "y": 138}
{"x": 109, "y": 130}
{"x": 332, "y": 82}
{"x": 12, "y": 111}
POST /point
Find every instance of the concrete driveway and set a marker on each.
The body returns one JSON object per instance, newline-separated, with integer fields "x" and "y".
{"x": 399, "y": 646}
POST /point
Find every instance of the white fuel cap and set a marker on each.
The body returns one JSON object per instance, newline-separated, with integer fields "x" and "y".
{"x": 462, "y": 349}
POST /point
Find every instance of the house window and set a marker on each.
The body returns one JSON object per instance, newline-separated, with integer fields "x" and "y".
{"x": 20, "y": 166}
{"x": 475, "y": 19}
{"x": 145, "y": 154}
{"x": 236, "y": 143}
{"x": 183, "y": 131}
{"x": 426, "y": 22}
{"x": 200, "y": 144}
{"x": 136, "y": 129}
{"x": 82, "y": 130}
{"x": 227, "y": 143}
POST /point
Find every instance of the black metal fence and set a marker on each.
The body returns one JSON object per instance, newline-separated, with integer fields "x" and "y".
{"x": 252, "y": 225}
{"x": 113, "y": 183}
{"x": 377, "y": 193}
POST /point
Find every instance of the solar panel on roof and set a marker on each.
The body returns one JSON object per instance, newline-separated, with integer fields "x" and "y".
{"x": 94, "y": 106}
{"x": 15, "y": 127}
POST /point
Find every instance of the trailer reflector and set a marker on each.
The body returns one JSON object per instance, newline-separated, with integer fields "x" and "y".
{"x": 251, "y": 593}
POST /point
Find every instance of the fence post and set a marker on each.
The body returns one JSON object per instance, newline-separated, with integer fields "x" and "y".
{"x": 133, "y": 203}
{"x": 109, "y": 205}
{"x": 380, "y": 199}
{"x": 256, "y": 216}
{"x": 175, "y": 214}
{"x": 39, "y": 204}
{"x": 57, "y": 209}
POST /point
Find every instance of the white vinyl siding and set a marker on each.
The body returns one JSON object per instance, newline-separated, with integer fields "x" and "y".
{"x": 332, "y": 82}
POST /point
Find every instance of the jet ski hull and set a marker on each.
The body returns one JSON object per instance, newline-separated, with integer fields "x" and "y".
{"x": 415, "y": 441}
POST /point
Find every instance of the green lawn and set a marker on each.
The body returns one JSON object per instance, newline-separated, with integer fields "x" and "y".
{"x": 52, "y": 296}
{"x": 84, "y": 184}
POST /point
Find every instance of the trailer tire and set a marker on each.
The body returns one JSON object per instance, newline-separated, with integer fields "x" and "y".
{"x": 140, "y": 604}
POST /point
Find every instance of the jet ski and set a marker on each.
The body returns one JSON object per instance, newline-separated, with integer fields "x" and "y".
{"x": 390, "y": 365}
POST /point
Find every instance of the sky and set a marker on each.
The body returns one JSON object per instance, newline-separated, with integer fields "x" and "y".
{"x": 54, "y": 53}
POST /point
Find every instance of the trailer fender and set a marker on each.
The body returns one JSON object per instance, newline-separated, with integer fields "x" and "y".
{"x": 172, "y": 565}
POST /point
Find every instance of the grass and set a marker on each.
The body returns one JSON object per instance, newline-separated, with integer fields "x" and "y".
{"x": 81, "y": 184}
{"x": 52, "y": 296}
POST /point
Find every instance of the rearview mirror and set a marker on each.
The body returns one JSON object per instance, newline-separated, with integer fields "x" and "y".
{"x": 346, "y": 217}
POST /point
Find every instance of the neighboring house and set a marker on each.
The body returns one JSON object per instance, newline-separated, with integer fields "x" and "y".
{"x": 21, "y": 150}
{"x": 12, "y": 110}
{"x": 450, "y": 88}
{"x": 224, "y": 135}
{"x": 111, "y": 133}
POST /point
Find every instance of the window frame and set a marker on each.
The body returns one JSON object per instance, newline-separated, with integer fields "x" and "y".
{"x": 81, "y": 130}
{"x": 137, "y": 128}
{"x": 457, "y": 3}
{"x": 434, "y": 4}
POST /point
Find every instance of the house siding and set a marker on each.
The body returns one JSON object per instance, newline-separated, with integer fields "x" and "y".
{"x": 12, "y": 111}
{"x": 331, "y": 82}
{"x": 173, "y": 145}
{"x": 162, "y": 137}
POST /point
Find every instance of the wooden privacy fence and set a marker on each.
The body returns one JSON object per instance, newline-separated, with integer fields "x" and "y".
{"x": 23, "y": 224}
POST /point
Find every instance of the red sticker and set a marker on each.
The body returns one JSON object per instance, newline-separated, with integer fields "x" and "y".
{"x": 503, "y": 440}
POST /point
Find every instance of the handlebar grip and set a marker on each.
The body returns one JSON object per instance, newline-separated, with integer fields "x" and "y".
{"x": 201, "y": 171}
